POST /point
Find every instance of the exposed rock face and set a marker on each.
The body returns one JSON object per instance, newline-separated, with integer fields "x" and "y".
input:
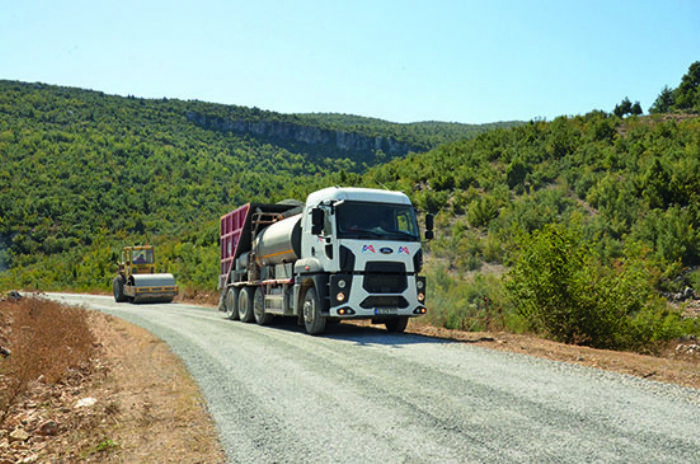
{"x": 310, "y": 135}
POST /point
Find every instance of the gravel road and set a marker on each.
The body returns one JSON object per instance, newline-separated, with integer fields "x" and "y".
{"x": 362, "y": 395}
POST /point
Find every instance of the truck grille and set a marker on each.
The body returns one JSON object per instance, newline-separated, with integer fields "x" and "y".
{"x": 385, "y": 277}
{"x": 384, "y": 301}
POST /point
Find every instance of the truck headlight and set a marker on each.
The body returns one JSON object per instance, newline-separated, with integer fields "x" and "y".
{"x": 421, "y": 296}
{"x": 419, "y": 284}
{"x": 340, "y": 288}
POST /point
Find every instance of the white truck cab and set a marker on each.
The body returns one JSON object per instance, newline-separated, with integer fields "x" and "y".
{"x": 347, "y": 253}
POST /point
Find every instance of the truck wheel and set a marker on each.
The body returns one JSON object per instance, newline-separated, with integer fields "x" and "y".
{"x": 231, "y": 304}
{"x": 397, "y": 324}
{"x": 261, "y": 317}
{"x": 118, "y": 289}
{"x": 245, "y": 304}
{"x": 314, "y": 322}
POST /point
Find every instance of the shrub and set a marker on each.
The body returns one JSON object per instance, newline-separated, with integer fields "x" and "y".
{"x": 672, "y": 233}
{"x": 475, "y": 304}
{"x": 431, "y": 201}
{"x": 516, "y": 173}
{"x": 493, "y": 250}
{"x": 482, "y": 211}
{"x": 563, "y": 292}
{"x": 694, "y": 280}
{"x": 460, "y": 200}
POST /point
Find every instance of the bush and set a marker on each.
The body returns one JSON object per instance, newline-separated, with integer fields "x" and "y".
{"x": 562, "y": 291}
{"x": 482, "y": 211}
{"x": 475, "y": 304}
{"x": 493, "y": 249}
{"x": 694, "y": 280}
{"x": 460, "y": 200}
{"x": 656, "y": 323}
{"x": 431, "y": 201}
{"x": 672, "y": 233}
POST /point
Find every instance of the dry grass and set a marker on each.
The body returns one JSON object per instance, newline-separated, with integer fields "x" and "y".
{"x": 50, "y": 343}
{"x": 145, "y": 408}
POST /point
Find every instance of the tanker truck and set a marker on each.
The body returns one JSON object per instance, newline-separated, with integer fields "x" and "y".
{"x": 347, "y": 253}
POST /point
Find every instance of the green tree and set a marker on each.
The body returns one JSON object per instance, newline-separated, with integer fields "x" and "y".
{"x": 663, "y": 102}
{"x": 516, "y": 173}
{"x": 636, "y": 109}
{"x": 688, "y": 92}
{"x": 625, "y": 107}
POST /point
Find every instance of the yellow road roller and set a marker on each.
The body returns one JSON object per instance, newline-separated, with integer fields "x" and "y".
{"x": 137, "y": 281}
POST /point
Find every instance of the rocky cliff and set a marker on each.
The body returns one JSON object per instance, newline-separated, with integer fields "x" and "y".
{"x": 281, "y": 131}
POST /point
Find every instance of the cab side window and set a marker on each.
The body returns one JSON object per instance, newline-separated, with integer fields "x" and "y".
{"x": 327, "y": 224}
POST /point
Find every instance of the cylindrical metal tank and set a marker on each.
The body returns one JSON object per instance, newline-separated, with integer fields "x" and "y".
{"x": 242, "y": 261}
{"x": 279, "y": 243}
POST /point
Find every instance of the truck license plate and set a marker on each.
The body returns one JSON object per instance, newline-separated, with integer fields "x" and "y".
{"x": 385, "y": 311}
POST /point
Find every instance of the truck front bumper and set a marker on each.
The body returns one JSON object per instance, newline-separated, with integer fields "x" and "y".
{"x": 349, "y": 298}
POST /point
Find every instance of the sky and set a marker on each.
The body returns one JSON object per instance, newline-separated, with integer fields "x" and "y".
{"x": 404, "y": 61}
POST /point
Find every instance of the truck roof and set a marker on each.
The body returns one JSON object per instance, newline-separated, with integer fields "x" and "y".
{"x": 357, "y": 194}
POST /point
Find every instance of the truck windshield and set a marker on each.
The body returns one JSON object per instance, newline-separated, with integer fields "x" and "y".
{"x": 377, "y": 221}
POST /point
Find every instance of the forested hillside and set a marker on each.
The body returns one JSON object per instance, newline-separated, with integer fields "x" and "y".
{"x": 576, "y": 228}
{"x": 83, "y": 172}
{"x": 81, "y": 168}
{"x": 635, "y": 178}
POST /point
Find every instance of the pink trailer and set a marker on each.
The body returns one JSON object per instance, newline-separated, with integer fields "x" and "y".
{"x": 237, "y": 231}
{"x": 232, "y": 225}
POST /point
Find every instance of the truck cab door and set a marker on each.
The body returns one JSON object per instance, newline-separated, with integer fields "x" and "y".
{"x": 320, "y": 241}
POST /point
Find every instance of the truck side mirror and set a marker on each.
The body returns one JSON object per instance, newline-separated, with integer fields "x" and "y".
{"x": 316, "y": 221}
{"x": 429, "y": 234}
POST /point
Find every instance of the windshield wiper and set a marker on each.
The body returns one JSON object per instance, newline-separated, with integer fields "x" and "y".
{"x": 371, "y": 233}
{"x": 365, "y": 233}
{"x": 402, "y": 233}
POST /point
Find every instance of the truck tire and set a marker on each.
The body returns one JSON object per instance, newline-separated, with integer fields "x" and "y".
{"x": 261, "y": 317}
{"x": 397, "y": 324}
{"x": 231, "y": 303}
{"x": 314, "y": 322}
{"x": 118, "y": 289}
{"x": 245, "y": 304}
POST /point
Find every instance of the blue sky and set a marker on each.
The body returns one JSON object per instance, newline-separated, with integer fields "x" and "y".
{"x": 404, "y": 61}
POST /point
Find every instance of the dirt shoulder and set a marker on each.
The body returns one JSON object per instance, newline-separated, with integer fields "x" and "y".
{"x": 139, "y": 405}
{"x": 678, "y": 363}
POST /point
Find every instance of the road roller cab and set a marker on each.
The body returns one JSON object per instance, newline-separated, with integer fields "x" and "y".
{"x": 137, "y": 281}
